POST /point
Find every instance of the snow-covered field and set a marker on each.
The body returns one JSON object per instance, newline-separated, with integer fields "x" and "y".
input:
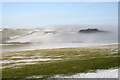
{"x": 110, "y": 73}
{"x": 35, "y": 58}
{"x": 23, "y": 47}
{"x": 61, "y": 34}
{"x": 57, "y": 37}
{"x": 53, "y": 38}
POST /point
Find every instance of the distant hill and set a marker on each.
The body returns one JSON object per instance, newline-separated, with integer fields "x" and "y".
{"x": 90, "y": 30}
{"x": 8, "y": 33}
{"x": 56, "y": 35}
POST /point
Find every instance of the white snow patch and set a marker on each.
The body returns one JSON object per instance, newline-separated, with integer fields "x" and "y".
{"x": 110, "y": 73}
{"x": 18, "y": 57}
{"x": 27, "y": 60}
{"x": 23, "y": 63}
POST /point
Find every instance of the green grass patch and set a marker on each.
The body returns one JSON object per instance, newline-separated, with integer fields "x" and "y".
{"x": 62, "y": 67}
{"x": 73, "y": 60}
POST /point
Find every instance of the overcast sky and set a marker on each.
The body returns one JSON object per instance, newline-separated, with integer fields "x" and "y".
{"x": 39, "y": 14}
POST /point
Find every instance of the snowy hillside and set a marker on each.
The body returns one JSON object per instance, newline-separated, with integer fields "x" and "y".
{"x": 9, "y": 33}
{"x": 62, "y": 34}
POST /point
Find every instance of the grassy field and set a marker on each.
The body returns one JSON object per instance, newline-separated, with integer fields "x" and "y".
{"x": 47, "y": 63}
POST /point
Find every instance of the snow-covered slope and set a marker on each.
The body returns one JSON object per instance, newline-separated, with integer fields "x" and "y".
{"x": 66, "y": 35}
{"x": 9, "y": 33}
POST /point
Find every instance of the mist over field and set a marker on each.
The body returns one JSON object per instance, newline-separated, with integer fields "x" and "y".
{"x": 71, "y": 34}
{"x": 59, "y": 40}
{"x": 68, "y": 34}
